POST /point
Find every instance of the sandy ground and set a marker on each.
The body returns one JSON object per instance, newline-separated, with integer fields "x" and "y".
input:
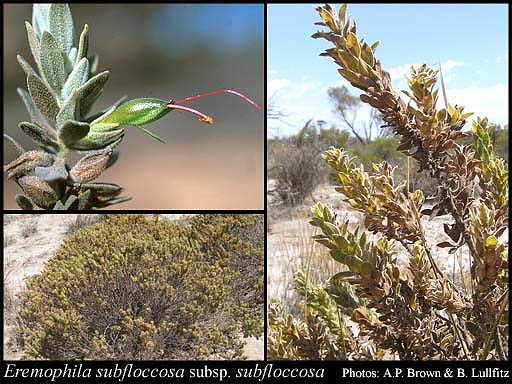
{"x": 29, "y": 240}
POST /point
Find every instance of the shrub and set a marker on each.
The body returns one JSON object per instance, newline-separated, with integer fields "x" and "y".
{"x": 418, "y": 312}
{"x": 296, "y": 163}
{"x": 136, "y": 288}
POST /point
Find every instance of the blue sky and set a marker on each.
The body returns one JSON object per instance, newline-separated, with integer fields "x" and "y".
{"x": 470, "y": 41}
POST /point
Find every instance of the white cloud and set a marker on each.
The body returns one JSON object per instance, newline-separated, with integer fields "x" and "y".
{"x": 489, "y": 101}
{"x": 277, "y": 85}
{"x": 449, "y": 64}
{"x": 273, "y": 72}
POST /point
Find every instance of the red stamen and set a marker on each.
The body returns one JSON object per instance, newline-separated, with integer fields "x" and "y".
{"x": 216, "y": 93}
{"x": 202, "y": 117}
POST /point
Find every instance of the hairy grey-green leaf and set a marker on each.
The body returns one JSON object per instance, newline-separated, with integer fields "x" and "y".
{"x": 43, "y": 98}
{"x": 84, "y": 200}
{"x": 39, "y": 191}
{"x": 26, "y": 66}
{"x": 52, "y": 62}
{"x": 83, "y": 44}
{"x": 116, "y": 200}
{"x": 56, "y": 173}
{"x": 61, "y": 26}
{"x": 93, "y": 63}
{"x": 103, "y": 189}
{"x": 41, "y": 136}
{"x": 35, "y": 116}
{"x": 68, "y": 110}
{"x": 98, "y": 140}
{"x": 17, "y": 146}
{"x": 90, "y": 91}
{"x": 76, "y": 79}
{"x": 33, "y": 42}
{"x": 72, "y": 131}
{"x": 69, "y": 60}
{"x": 59, "y": 206}
{"x": 24, "y": 202}
{"x": 71, "y": 202}
{"x": 40, "y": 18}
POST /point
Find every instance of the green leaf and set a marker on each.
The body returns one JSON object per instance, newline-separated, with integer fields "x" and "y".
{"x": 84, "y": 200}
{"x": 43, "y": 97}
{"x": 76, "y": 79}
{"x": 342, "y": 13}
{"x": 19, "y": 149}
{"x": 93, "y": 63}
{"x": 70, "y": 202}
{"x": 68, "y": 110}
{"x": 52, "y": 62}
{"x": 26, "y": 66}
{"x": 35, "y": 116}
{"x": 59, "y": 206}
{"x": 69, "y": 60}
{"x": 103, "y": 189}
{"x": 72, "y": 131}
{"x": 42, "y": 136}
{"x": 90, "y": 91}
{"x": 40, "y": 18}
{"x": 117, "y": 200}
{"x": 83, "y": 44}
{"x": 98, "y": 140}
{"x": 61, "y": 26}
{"x": 23, "y": 202}
{"x": 33, "y": 42}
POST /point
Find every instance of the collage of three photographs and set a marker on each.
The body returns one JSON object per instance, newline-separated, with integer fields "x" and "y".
{"x": 332, "y": 182}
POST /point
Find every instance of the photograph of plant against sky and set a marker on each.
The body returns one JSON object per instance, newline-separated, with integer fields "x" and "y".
{"x": 387, "y": 182}
{"x": 162, "y": 58}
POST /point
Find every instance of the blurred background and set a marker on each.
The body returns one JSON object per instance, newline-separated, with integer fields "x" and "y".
{"x": 167, "y": 51}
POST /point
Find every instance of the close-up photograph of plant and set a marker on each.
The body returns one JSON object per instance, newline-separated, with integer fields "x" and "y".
{"x": 62, "y": 152}
{"x": 133, "y": 287}
{"x": 387, "y": 266}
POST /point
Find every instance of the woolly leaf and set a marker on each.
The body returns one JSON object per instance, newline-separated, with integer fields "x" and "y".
{"x": 61, "y": 26}
{"x": 33, "y": 42}
{"x": 83, "y": 44}
{"x": 42, "y": 136}
{"x": 72, "y": 131}
{"x": 90, "y": 91}
{"x": 23, "y": 202}
{"x": 52, "y": 62}
{"x": 68, "y": 110}
{"x": 76, "y": 79}
{"x": 40, "y": 18}
{"x": 26, "y": 66}
{"x": 43, "y": 97}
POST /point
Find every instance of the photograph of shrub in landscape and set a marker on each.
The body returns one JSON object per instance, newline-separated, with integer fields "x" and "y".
{"x": 133, "y": 287}
{"x": 105, "y": 100}
{"x": 388, "y": 230}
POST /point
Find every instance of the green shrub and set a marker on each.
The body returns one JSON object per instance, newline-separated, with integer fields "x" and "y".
{"x": 136, "y": 288}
